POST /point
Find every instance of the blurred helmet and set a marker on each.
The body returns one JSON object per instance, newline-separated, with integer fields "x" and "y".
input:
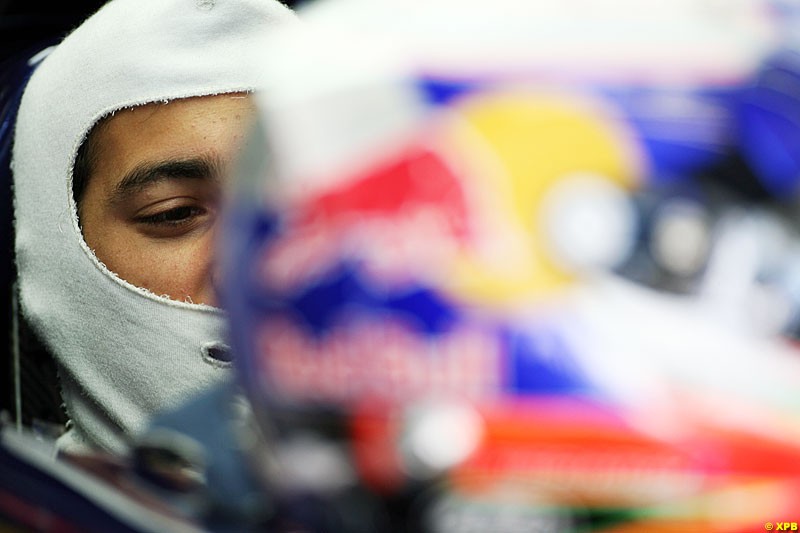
{"x": 426, "y": 198}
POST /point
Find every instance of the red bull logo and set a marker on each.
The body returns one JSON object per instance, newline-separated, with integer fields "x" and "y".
{"x": 398, "y": 281}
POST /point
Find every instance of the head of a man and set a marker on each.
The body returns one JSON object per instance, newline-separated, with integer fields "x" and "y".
{"x": 148, "y": 183}
{"x": 120, "y": 151}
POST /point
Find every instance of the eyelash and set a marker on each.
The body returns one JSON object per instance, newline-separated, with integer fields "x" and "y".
{"x": 166, "y": 218}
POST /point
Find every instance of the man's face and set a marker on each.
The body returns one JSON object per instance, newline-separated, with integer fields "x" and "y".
{"x": 151, "y": 203}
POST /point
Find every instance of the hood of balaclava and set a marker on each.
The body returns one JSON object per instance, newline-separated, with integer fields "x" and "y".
{"x": 123, "y": 353}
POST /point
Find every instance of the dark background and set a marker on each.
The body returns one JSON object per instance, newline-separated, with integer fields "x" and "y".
{"x": 27, "y": 23}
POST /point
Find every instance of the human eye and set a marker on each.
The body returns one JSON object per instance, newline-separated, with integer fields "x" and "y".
{"x": 172, "y": 219}
{"x": 175, "y": 216}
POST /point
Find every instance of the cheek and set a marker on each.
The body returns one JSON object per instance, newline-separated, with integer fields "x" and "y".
{"x": 178, "y": 268}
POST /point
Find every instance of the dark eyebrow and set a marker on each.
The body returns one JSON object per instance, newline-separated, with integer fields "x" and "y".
{"x": 149, "y": 173}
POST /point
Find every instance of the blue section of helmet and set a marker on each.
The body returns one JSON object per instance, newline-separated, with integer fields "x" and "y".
{"x": 441, "y": 92}
{"x": 769, "y": 116}
{"x": 540, "y": 362}
{"x": 426, "y": 307}
{"x": 677, "y": 146}
{"x": 342, "y": 290}
{"x": 682, "y": 130}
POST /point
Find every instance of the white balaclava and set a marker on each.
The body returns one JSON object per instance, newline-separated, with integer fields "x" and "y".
{"x": 123, "y": 353}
